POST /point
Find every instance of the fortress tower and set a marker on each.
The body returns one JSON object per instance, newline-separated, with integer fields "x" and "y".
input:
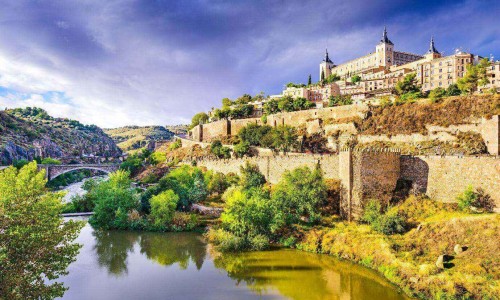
{"x": 325, "y": 67}
{"x": 432, "y": 53}
{"x": 385, "y": 51}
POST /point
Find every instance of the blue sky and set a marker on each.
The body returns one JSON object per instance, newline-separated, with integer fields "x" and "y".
{"x": 123, "y": 62}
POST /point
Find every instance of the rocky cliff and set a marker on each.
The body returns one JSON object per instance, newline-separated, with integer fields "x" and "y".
{"x": 29, "y": 133}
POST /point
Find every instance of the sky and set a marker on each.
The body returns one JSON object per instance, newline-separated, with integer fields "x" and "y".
{"x": 129, "y": 62}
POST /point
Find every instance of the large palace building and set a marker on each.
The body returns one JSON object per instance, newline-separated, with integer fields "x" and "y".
{"x": 381, "y": 70}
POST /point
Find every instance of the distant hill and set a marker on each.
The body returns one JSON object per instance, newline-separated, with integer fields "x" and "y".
{"x": 27, "y": 133}
{"x": 132, "y": 138}
{"x": 178, "y": 129}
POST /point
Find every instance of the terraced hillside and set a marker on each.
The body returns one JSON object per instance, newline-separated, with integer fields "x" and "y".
{"x": 30, "y": 132}
{"x": 133, "y": 138}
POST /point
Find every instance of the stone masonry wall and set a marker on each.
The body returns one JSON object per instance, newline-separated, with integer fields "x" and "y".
{"x": 215, "y": 130}
{"x": 273, "y": 167}
{"x": 236, "y": 125}
{"x": 443, "y": 178}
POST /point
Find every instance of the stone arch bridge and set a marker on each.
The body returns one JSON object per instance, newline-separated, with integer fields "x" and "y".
{"x": 52, "y": 171}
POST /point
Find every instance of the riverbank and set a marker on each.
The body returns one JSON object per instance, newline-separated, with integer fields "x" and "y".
{"x": 467, "y": 243}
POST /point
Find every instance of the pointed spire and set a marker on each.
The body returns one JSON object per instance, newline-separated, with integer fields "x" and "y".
{"x": 432, "y": 49}
{"x": 327, "y": 59}
{"x": 385, "y": 39}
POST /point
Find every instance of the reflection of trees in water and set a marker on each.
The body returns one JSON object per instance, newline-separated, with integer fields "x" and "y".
{"x": 170, "y": 248}
{"x": 299, "y": 275}
{"x": 112, "y": 248}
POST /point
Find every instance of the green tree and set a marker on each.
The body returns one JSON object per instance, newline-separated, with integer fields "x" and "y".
{"x": 242, "y": 148}
{"x": 355, "y": 79}
{"x": 251, "y": 177}
{"x": 50, "y": 161}
{"x": 271, "y": 107}
{"x": 219, "y": 150}
{"x": 437, "y": 94}
{"x": 298, "y": 194}
{"x": 407, "y": 85}
{"x": 253, "y": 133}
{"x": 286, "y": 104}
{"x": 226, "y": 103}
{"x": 199, "y": 118}
{"x": 198, "y": 191}
{"x": 114, "y": 200}
{"x": 284, "y": 138}
{"x": 474, "y": 77}
{"x": 453, "y": 90}
{"x": 309, "y": 80}
{"x": 163, "y": 207}
{"x": 35, "y": 243}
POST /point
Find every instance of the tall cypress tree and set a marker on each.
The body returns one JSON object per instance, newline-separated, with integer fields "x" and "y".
{"x": 322, "y": 75}
{"x": 309, "y": 80}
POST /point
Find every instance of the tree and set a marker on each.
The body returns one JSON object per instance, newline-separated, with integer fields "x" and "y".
{"x": 474, "y": 77}
{"x": 50, "y": 161}
{"x": 219, "y": 150}
{"x": 298, "y": 193}
{"x": 453, "y": 90}
{"x": 355, "y": 79}
{"x": 407, "y": 85}
{"x": 284, "y": 138}
{"x": 322, "y": 77}
{"x": 199, "y": 118}
{"x": 242, "y": 148}
{"x": 198, "y": 191}
{"x": 35, "y": 243}
{"x": 163, "y": 207}
{"x": 243, "y": 99}
{"x": 271, "y": 107}
{"x": 251, "y": 177}
{"x": 339, "y": 100}
{"x": 309, "y": 80}
{"x": 114, "y": 200}
{"x": 437, "y": 94}
{"x": 253, "y": 133}
{"x": 331, "y": 78}
{"x": 286, "y": 104}
{"x": 226, "y": 103}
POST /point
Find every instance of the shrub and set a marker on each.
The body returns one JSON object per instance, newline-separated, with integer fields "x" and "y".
{"x": 163, "y": 207}
{"x": 132, "y": 165}
{"x": 259, "y": 242}
{"x": 437, "y": 94}
{"x": 183, "y": 221}
{"x": 216, "y": 183}
{"x": 475, "y": 200}
{"x": 199, "y": 118}
{"x": 241, "y": 149}
{"x": 157, "y": 158}
{"x": 198, "y": 192}
{"x": 225, "y": 240}
{"x": 389, "y": 223}
{"x": 175, "y": 145}
{"x": 220, "y": 151}
{"x": 50, "y": 161}
{"x": 251, "y": 176}
{"x": 20, "y": 163}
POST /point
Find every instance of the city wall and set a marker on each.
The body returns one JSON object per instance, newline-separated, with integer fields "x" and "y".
{"x": 373, "y": 174}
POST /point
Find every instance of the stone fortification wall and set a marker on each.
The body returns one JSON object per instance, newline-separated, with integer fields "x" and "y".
{"x": 273, "y": 167}
{"x": 443, "y": 178}
{"x": 236, "y": 125}
{"x": 215, "y": 130}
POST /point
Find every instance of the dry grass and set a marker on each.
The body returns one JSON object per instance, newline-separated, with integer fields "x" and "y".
{"x": 413, "y": 117}
{"x": 408, "y": 260}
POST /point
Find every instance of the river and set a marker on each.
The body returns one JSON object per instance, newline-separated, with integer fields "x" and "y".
{"x": 145, "y": 265}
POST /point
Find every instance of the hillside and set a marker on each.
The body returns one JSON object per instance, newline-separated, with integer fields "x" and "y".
{"x": 29, "y": 133}
{"x": 130, "y": 138}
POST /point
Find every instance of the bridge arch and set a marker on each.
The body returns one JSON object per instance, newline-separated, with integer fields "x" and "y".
{"x": 53, "y": 171}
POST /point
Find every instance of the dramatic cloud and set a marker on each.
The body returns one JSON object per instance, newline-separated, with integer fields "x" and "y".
{"x": 119, "y": 62}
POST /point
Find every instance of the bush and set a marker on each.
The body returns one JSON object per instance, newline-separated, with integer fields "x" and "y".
{"x": 251, "y": 176}
{"x": 20, "y": 163}
{"x": 389, "y": 223}
{"x": 183, "y": 221}
{"x": 216, "y": 183}
{"x": 259, "y": 242}
{"x": 199, "y": 118}
{"x": 475, "y": 200}
{"x": 50, "y": 161}
{"x": 132, "y": 165}
{"x": 220, "y": 151}
{"x": 437, "y": 94}
{"x": 163, "y": 207}
{"x": 226, "y": 241}
{"x": 157, "y": 158}
{"x": 241, "y": 149}
{"x": 175, "y": 145}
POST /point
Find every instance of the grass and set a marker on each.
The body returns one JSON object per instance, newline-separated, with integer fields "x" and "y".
{"x": 408, "y": 260}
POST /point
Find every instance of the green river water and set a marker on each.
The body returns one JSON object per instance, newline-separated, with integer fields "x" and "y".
{"x": 143, "y": 265}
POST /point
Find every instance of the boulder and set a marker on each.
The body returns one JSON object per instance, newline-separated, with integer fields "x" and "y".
{"x": 440, "y": 262}
{"x": 458, "y": 249}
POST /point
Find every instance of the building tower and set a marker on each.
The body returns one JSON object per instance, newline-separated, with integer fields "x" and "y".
{"x": 385, "y": 51}
{"x": 325, "y": 67}
{"x": 432, "y": 53}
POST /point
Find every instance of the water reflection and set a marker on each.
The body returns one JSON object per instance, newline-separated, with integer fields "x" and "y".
{"x": 134, "y": 265}
{"x": 177, "y": 248}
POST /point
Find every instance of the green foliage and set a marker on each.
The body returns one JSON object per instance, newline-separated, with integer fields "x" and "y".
{"x": 199, "y": 118}
{"x": 157, "y": 158}
{"x": 198, "y": 192}
{"x": 35, "y": 243}
{"x": 226, "y": 103}
{"x": 453, "y": 90}
{"x": 219, "y": 150}
{"x": 280, "y": 138}
{"x": 309, "y": 80}
{"x": 175, "y": 145}
{"x": 251, "y": 177}
{"x": 298, "y": 194}
{"x": 271, "y": 107}
{"x": 407, "y": 85}
{"x": 253, "y": 133}
{"x": 114, "y": 200}
{"x": 50, "y": 161}
{"x": 226, "y": 241}
{"x": 356, "y": 79}
{"x": 241, "y": 149}
{"x": 217, "y": 183}
{"x": 339, "y": 100}
{"x": 391, "y": 222}
{"x": 163, "y": 207}
{"x": 18, "y": 164}
{"x": 475, "y": 201}
{"x": 296, "y": 85}
{"x": 437, "y": 94}
{"x": 332, "y": 78}
{"x": 132, "y": 164}
{"x": 474, "y": 76}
